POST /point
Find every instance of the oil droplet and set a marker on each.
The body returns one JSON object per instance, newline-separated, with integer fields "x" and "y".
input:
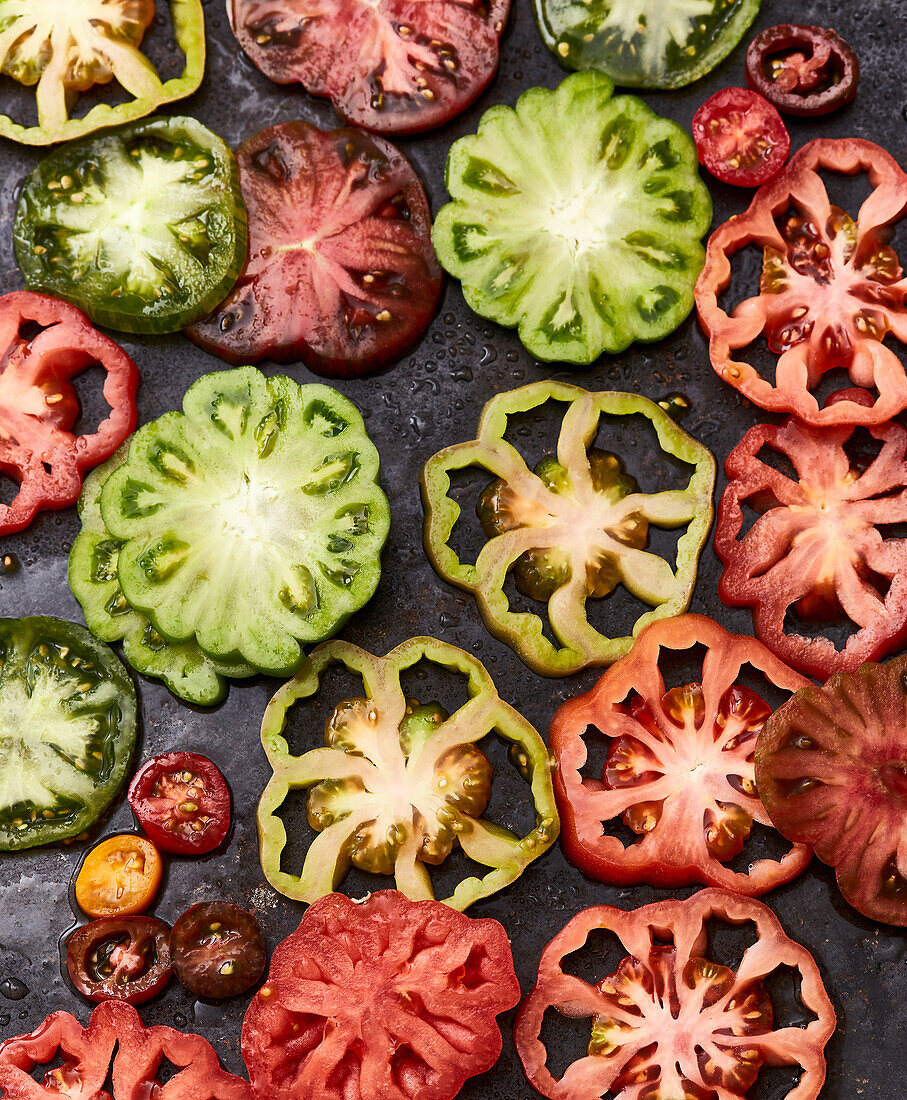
{"x": 676, "y": 405}
{"x": 9, "y": 564}
{"x": 13, "y": 989}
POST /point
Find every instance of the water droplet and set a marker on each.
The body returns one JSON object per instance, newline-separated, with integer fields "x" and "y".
{"x": 4, "y": 1019}
{"x": 179, "y": 1019}
{"x": 446, "y": 620}
{"x": 13, "y": 989}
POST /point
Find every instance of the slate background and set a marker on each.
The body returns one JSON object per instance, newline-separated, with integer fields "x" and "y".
{"x": 429, "y": 400}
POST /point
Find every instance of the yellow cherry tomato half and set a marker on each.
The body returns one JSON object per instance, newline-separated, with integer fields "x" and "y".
{"x": 119, "y": 877}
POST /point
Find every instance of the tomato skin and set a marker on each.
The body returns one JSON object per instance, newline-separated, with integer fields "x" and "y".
{"x": 182, "y": 802}
{"x": 39, "y": 406}
{"x": 218, "y": 949}
{"x": 124, "y": 959}
{"x": 802, "y": 70}
{"x": 119, "y": 877}
{"x": 740, "y": 137}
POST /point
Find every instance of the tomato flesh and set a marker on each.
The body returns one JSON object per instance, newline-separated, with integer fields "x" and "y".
{"x": 740, "y": 137}
{"x": 115, "y": 958}
{"x": 182, "y": 802}
{"x": 218, "y": 949}
{"x": 119, "y": 876}
{"x": 802, "y": 70}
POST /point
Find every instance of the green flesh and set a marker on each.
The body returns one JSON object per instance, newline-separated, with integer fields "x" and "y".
{"x": 644, "y": 43}
{"x": 585, "y": 245}
{"x": 188, "y": 672}
{"x": 251, "y": 521}
{"x": 67, "y": 730}
{"x": 144, "y": 229}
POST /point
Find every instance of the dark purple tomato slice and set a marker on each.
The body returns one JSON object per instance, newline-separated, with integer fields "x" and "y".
{"x": 120, "y": 959}
{"x": 802, "y": 70}
{"x": 182, "y": 802}
{"x": 341, "y": 272}
{"x": 393, "y": 66}
{"x": 740, "y": 137}
{"x": 218, "y": 949}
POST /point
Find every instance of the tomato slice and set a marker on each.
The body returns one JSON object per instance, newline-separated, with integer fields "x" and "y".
{"x": 138, "y": 1055}
{"x": 829, "y": 296}
{"x": 218, "y": 949}
{"x": 39, "y": 406}
{"x": 384, "y": 998}
{"x": 341, "y": 273}
{"x": 119, "y": 876}
{"x": 679, "y": 770}
{"x": 740, "y": 137}
{"x": 120, "y": 958}
{"x": 802, "y": 70}
{"x": 182, "y": 802}
{"x": 820, "y": 545}
{"x": 669, "y": 1021}
{"x": 831, "y": 765}
{"x": 386, "y": 65}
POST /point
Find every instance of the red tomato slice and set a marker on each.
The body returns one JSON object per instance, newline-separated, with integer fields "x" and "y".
{"x": 218, "y": 949}
{"x": 393, "y": 66}
{"x": 341, "y": 272}
{"x": 820, "y": 544}
{"x": 832, "y": 770}
{"x": 182, "y": 802}
{"x": 44, "y": 344}
{"x": 387, "y": 998}
{"x": 115, "y": 1032}
{"x": 740, "y": 137}
{"x": 830, "y": 295}
{"x": 120, "y": 958}
{"x": 679, "y": 770}
{"x": 670, "y": 1022}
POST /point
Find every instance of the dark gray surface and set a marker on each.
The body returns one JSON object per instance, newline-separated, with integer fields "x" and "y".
{"x": 430, "y": 400}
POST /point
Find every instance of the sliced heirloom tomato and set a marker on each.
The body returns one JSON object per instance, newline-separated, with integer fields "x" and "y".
{"x": 740, "y": 137}
{"x": 114, "y": 1034}
{"x": 252, "y": 521}
{"x": 182, "y": 802}
{"x": 398, "y": 785}
{"x": 586, "y": 244}
{"x": 67, "y": 48}
{"x": 341, "y": 272}
{"x": 572, "y": 529}
{"x": 802, "y": 70}
{"x": 644, "y": 43}
{"x": 120, "y": 958}
{"x": 831, "y": 765}
{"x": 669, "y": 1022}
{"x": 218, "y": 949}
{"x": 679, "y": 767}
{"x": 44, "y": 344}
{"x": 386, "y": 65}
{"x": 67, "y": 730}
{"x": 119, "y": 877}
{"x": 830, "y": 293}
{"x": 383, "y": 998}
{"x": 143, "y": 227}
{"x": 820, "y": 546}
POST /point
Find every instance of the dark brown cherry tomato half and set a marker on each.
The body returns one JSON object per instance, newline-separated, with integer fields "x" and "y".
{"x": 218, "y": 949}
{"x": 802, "y": 70}
{"x": 740, "y": 137}
{"x": 120, "y": 959}
{"x": 182, "y": 802}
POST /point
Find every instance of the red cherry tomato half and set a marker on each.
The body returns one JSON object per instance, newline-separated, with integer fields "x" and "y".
{"x": 182, "y": 802}
{"x": 120, "y": 958}
{"x": 218, "y": 949}
{"x": 740, "y": 137}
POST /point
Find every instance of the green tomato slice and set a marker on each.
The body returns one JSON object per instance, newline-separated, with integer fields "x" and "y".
{"x": 144, "y": 228}
{"x": 585, "y": 244}
{"x": 67, "y": 46}
{"x": 644, "y": 43}
{"x": 67, "y": 730}
{"x": 188, "y": 672}
{"x": 252, "y": 520}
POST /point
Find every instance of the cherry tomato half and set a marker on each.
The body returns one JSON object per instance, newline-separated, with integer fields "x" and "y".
{"x": 740, "y": 137}
{"x": 182, "y": 802}
{"x": 218, "y": 949}
{"x": 119, "y": 877}
{"x": 802, "y": 70}
{"x": 120, "y": 959}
